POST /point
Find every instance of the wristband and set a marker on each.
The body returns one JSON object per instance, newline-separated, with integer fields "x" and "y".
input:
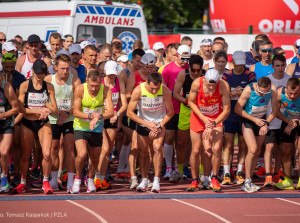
{"x": 90, "y": 116}
{"x": 267, "y": 123}
{"x": 214, "y": 123}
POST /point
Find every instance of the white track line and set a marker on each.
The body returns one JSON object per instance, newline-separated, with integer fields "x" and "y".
{"x": 204, "y": 210}
{"x": 88, "y": 210}
{"x": 293, "y": 202}
{"x": 272, "y": 215}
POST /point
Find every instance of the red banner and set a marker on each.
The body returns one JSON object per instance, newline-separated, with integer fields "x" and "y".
{"x": 166, "y": 39}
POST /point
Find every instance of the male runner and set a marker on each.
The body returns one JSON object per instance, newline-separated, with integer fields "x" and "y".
{"x": 75, "y": 55}
{"x": 89, "y": 56}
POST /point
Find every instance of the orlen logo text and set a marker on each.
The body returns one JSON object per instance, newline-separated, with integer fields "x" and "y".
{"x": 279, "y": 26}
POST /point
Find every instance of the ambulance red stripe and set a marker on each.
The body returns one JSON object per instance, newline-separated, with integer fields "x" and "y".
{"x": 35, "y": 13}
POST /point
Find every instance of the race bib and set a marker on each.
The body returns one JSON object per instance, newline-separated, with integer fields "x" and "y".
{"x": 88, "y": 110}
{"x": 209, "y": 110}
{"x": 64, "y": 105}
{"x": 152, "y": 104}
{"x": 293, "y": 115}
{"x": 37, "y": 100}
{"x": 115, "y": 99}
{"x": 260, "y": 111}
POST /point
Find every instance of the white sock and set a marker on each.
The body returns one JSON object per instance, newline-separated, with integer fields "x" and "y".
{"x": 168, "y": 149}
{"x": 23, "y": 181}
{"x": 45, "y": 179}
{"x": 3, "y": 175}
{"x": 127, "y": 157}
{"x": 240, "y": 168}
{"x": 134, "y": 177}
{"x": 70, "y": 178}
{"x": 54, "y": 175}
{"x": 122, "y": 159}
{"x": 226, "y": 169}
{"x": 156, "y": 179}
{"x": 144, "y": 180}
{"x": 97, "y": 174}
{"x": 59, "y": 174}
{"x": 247, "y": 181}
{"x": 261, "y": 161}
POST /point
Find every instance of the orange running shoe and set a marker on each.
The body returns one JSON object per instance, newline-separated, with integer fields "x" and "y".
{"x": 194, "y": 186}
{"x": 214, "y": 183}
{"x": 261, "y": 172}
{"x": 19, "y": 189}
{"x": 105, "y": 185}
{"x": 268, "y": 181}
{"x": 46, "y": 188}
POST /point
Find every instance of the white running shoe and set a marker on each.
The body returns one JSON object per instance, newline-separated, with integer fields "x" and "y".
{"x": 206, "y": 185}
{"x": 150, "y": 184}
{"x": 76, "y": 186}
{"x": 143, "y": 186}
{"x": 133, "y": 183}
{"x": 168, "y": 173}
{"x": 249, "y": 187}
{"x": 156, "y": 187}
{"x": 90, "y": 185}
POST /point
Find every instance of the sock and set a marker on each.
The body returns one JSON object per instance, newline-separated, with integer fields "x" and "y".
{"x": 261, "y": 161}
{"x": 45, "y": 179}
{"x": 180, "y": 168}
{"x": 240, "y": 168}
{"x": 226, "y": 169}
{"x": 101, "y": 177}
{"x": 168, "y": 149}
{"x": 144, "y": 180}
{"x": 70, "y": 178}
{"x": 77, "y": 178}
{"x": 97, "y": 174}
{"x": 128, "y": 148}
{"x": 201, "y": 169}
{"x": 156, "y": 179}
{"x": 23, "y": 181}
{"x": 59, "y": 174}
{"x": 3, "y": 175}
{"x": 268, "y": 174}
{"x": 206, "y": 178}
{"x": 247, "y": 181}
{"x": 134, "y": 177}
{"x": 122, "y": 159}
{"x": 54, "y": 176}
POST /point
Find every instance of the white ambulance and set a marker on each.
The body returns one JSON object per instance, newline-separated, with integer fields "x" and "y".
{"x": 94, "y": 20}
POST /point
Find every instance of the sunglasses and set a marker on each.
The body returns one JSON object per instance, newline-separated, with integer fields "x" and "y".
{"x": 184, "y": 59}
{"x": 267, "y": 50}
{"x": 196, "y": 70}
{"x": 2, "y": 40}
{"x": 261, "y": 92}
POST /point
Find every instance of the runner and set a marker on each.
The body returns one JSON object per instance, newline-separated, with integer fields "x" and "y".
{"x": 89, "y": 55}
{"x": 33, "y": 102}
{"x": 116, "y": 49}
{"x": 210, "y": 103}
{"x": 293, "y": 69}
{"x": 55, "y": 41}
{"x": 171, "y": 55}
{"x": 252, "y": 106}
{"x": 67, "y": 41}
{"x": 186, "y": 40}
{"x": 89, "y": 113}
{"x": 62, "y": 124}
{"x": 206, "y": 49}
{"x": 289, "y": 97}
{"x": 183, "y": 83}
{"x": 75, "y": 55}
{"x": 105, "y": 53}
{"x": 8, "y": 108}
{"x": 153, "y": 99}
{"x": 111, "y": 125}
{"x": 237, "y": 78}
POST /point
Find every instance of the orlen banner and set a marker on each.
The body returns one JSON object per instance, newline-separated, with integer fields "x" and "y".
{"x": 266, "y": 16}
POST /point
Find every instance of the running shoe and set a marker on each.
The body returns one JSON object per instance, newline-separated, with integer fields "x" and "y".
{"x": 175, "y": 177}
{"x": 214, "y": 183}
{"x": 54, "y": 184}
{"x": 16, "y": 181}
{"x": 133, "y": 183}
{"x": 186, "y": 172}
{"x": 268, "y": 181}
{"x": 277, "y": 178}
{"x": 98, "y": 184}
{"x": 120, "y": 177}
{"x": 261, "y": 172}
{"x": 91, "y": 186}
{"x": 194, "y": 186}
{"x": 38, "y": 183}
{"x": 286, "y": 184}
{"x": 143, "y": 186}
{"x": 76, "y": 186}
{"x": 249, "y": 187}
{"x": 206, "y": 185}
{"x": 168, "y": 173}
{"x": 105, "y": 185}
{"x": 4, "y": 185}
{"x": 298, "y": 185}
{"x": 226, "y": 179}
{"x": 35, "y": 173}
{"x": 127, "y": 177}
{"x": 150, "y": 184}
{"x": 156, "y": 187}
{"x": 19, "y": 189}
{"x": 239, "y": 178}
{"x": 46, "y": 188}
{"x": 201, "y": 177}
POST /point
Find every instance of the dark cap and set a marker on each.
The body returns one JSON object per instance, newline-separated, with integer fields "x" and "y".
{"x": 40, "y": 67}
{"x": 33, "y": 39}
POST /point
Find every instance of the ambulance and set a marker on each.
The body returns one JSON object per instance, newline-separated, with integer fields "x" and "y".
{"x": 97, "y": 21}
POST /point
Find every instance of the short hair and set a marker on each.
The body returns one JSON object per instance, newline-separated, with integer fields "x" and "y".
{"x": 293, "y": 82}
{"x": 94, "y": 75}
{"x": 262, "y": 37}
{"x": 99, "y": 64}
{"x": 279, "y": 57}
{"x": 218, "y": 43}
{"x": 138, "y": 52}
{"x": 276, "y": 50}
{"x": 115, "y": 38}
{"x": 263, "y": 82}
{"x": 219, "y": 54}
{"x": 67, "y": 36}
{"x": 99, "y": 48}
{"x": 43, "y": 49}
{"x": 55, "y": 36}
{"x": 265, "y": 42}
{"x": 255, "y": 46}
{"x": 90, "y": 47}
{"x": 106, "y": 46}
{"x": 219, "y": 38}
{"x": 172, "y": 45}
{"x": 63, "y": 58}
{"x": 196, "y": 59}
{"x": 138, "y": 44}
{"x": 18, "y": 36}
{"x": 116, "y": 45}
{"x": 185, "y": 39}
{"x": 155, "y": 78}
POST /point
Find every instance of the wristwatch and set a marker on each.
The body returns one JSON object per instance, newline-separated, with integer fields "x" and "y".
{"x": 101, "y": 117}
{"x": 267, "y": 123}
{"x": 158, "y": 126}
{"x": 214, "y": 123}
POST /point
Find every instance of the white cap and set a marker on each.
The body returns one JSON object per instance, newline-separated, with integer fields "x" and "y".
{"x": 123, "y": 58}
{"x": 111, "y": 67}
{"x": 151, "y": 51}
{"x": 206, "y": 42}
{"x": 184, "y": 50}
{"x": 62, "y": 52}
{"x": 239, "y": 57}
{"x": 158, "y": 45}
{"x": 148, "y": 59}
{"x": 297, "y": 43}
{"x": 83, "y": 44}
{"x": 8, "y": 46}
{"x": 75, "y": 48}
{"x": 212, "y": 75}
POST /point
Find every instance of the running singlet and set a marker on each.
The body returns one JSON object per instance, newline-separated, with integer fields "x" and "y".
{"x": 138, "y": 79}
{"x": 249, "y": 60}
{"x": 36, "y": 99}
{"x": 170, "y": 74}
{"x": 26, "y": 69}
{"x": 257, "y": 106}
{"x": 187, "y": 84}
{"x": 90, "y": 105}
{"x": 81, "y": 72}
{"x": 115, "y": 94}
{"x": 234, "y": 81}
{"x": 296, "y": 72}
{"x": 292, "y": 108}
{"x": 263, "y": 71}
{"x": 4, "y": 107}
{"x": 209, "y": 106}
{"x": 64, "y": 98}
{"x": 151, "y": 107}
